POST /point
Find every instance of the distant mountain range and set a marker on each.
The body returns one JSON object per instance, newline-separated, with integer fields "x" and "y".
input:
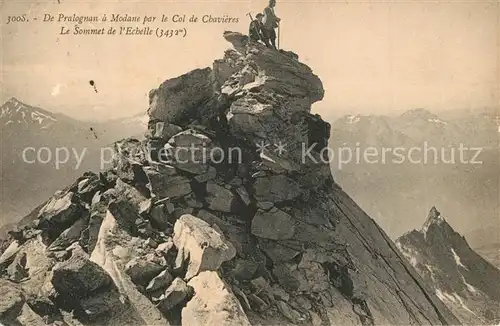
{"x": 41, "y": 135}
{"x": 397, "y": 194}
{"x": 465, "y": 282}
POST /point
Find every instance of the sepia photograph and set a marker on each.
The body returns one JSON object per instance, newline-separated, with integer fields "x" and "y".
{"x": 249, "y": 162}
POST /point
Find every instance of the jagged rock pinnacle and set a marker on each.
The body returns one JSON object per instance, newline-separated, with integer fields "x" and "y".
{"x": 434, "y": 213}
{"x": 434, "y": 217}
{"x": 460, "y": 277}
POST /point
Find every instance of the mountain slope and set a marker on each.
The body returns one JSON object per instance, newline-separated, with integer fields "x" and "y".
{"x": 462, "y": 279}
{"x": 168, "y": 238}
{"x": 13, "y": 112}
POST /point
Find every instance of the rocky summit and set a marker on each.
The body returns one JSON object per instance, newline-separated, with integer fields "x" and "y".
{"x": 463, "y": 280}
{"x": 217, "y": 218}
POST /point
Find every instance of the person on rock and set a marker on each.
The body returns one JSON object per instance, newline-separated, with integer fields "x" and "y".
{"x": 255, "y": 29}
{"x": 269, "y": 23}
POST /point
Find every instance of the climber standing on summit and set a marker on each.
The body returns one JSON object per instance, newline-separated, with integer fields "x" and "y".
{"x": 269, "y": 23}
{"x": 255, "y": 28}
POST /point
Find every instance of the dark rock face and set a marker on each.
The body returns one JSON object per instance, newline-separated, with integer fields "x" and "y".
{"x": 274, "y": 224}
{"x": 179, "y": 99}
{"x": 276, "y": 188}
{"x": 79, "y": 277}
{"x": 268, "y": 238}
{"x": 462, "y": 279}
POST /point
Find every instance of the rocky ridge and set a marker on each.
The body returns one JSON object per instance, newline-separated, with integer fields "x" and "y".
{"x": 168, "y": 237}
{"x": 462, "y": 279}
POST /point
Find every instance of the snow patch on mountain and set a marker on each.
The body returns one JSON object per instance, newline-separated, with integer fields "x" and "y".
{"x": 457, "y": 259}
{"x": 40, "y": 117}
{"x": 431, "y": 270}
{"x": 16, "y": 112}
{"x": 453, "y": 298}
{"x": 468, "y": 286}
{"x": 438, "y": 121}
{"x": 408, "y": 253}
{"x": 352, "y": 119}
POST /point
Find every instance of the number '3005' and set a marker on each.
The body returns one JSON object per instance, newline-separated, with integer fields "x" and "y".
{"x": 17, "y": 19}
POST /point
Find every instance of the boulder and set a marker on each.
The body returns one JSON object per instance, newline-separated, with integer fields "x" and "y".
{"x": 79, "y": 277}
{"x": 131, "y": 172}
{"x": 128, "y": 151}
{"x": 33, "y": 264}
{"x": 209, "y": 175}
{"x": 89, "y": 186}
{"x": 172, "y": 186}
{"x": 59, "y": 213}
{"x": 159, "y": 216}
{"x": 178, "y": 100}
{"x": 277, "y": 188}
{"x": 160, "y": 281}
{"x": 207, "y": 249}
{"x": 10, "y": 252}
{"x": 163, "y": 130}
{"x": 284, "y": 74}
{"x": 11, "y": 302}
{"x": 238, "y": 40}
{"x": 17, "y": 270}
{"x": 193, "y": 160}
{"x": 175, "y": 294}
{"x": 70, "y": 235}
{"x": 125, "y": 193}
{"x": 274, "y": 224}
{"x": 220, "y": 198}
{"x": 142, "y": 269}
{"x": 113, "y": 250}
{"x": 126, "y": 214}
{"x": 213, "y": 303}
{"x": 28, "y": 317}
{"x": 165, "y": 247}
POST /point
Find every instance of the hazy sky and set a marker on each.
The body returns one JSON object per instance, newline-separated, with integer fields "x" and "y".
{"x": 372, "y": 56}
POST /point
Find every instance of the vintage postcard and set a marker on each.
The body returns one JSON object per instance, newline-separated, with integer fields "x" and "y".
{"x": 249, "y": 162}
